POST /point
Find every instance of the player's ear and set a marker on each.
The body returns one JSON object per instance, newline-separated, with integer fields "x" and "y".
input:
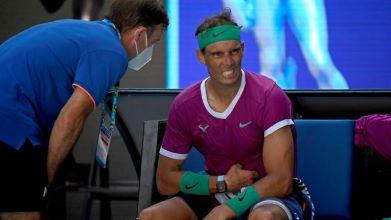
{"x": 200, "y": 56}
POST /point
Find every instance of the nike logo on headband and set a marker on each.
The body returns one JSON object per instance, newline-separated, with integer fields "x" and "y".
{"x": 218, "y": 33}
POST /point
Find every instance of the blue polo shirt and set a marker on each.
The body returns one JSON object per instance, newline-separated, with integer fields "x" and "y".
{"x": 40, "y": 67}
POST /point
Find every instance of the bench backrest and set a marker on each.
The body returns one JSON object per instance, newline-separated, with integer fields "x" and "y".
{"x": 325, "y": 163}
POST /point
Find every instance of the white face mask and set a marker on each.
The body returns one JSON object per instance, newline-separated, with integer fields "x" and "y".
{"x": 143, "y": 58}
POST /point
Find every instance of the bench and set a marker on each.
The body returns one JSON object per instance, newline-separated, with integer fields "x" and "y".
{"x": 325, "y": 154}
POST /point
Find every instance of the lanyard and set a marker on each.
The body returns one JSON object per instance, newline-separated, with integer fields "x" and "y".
{"x": 114, "y": 105}
{"x": 111, "y": 24}
{"x": 116, "y": 87}
{"x": 105, "y": 134}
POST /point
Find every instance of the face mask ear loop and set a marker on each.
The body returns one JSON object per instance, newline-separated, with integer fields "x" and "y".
{"x": 136, "y": 47}
{"x": 146, "y": 40}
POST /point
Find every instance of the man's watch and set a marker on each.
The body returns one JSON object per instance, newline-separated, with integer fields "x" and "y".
{"x": 221, "y": 185}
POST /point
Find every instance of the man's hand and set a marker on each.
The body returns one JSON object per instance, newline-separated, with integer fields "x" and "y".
{"x": 221, "y": 212}
{"x": 236, "y": 178}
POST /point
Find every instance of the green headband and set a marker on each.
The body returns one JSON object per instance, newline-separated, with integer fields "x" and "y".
{"x": 219, "y": 33}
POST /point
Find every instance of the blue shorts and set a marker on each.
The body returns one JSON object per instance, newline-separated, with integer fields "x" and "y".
{"x": 297, "y": 205}
{"x": 289, "y": 204}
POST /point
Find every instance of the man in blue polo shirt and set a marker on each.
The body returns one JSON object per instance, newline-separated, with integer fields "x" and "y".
{"x": 52, "y": 76}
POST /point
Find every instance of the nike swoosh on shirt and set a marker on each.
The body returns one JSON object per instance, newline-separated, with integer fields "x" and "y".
{"x": 242, "y": 125}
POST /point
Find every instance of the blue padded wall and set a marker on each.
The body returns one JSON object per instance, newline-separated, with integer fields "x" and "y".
{"x": 325, "y": 154}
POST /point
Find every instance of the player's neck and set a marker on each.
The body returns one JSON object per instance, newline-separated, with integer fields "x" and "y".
{"x": 220, "y": 96}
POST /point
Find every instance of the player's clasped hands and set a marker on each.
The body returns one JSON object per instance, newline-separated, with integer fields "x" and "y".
{"x": 237, "y": 177}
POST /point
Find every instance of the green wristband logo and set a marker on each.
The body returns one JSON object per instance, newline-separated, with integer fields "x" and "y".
{"x": 187, "y": 186}
{"x": 193, "y": 183}
{"x": 242, "y": 202}
{"x": 242, "y": 195}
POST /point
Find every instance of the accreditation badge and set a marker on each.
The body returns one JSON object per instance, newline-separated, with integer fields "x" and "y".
{"x": 106, "y": 133}
{"x": 104, "y": 140}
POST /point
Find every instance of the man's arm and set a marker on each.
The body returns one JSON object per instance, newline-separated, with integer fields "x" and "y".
{"x": 278, "y": 158}
{"x": 67, "y": 129}
{"x": 168, "y": 175}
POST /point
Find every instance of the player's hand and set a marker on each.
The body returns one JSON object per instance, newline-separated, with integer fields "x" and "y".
{"x": 236, "y": 178}
{"x": 221, "y": 212}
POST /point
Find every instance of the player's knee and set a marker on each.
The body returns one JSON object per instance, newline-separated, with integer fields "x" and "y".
{"x": 261, "y": 214}
{"x": 147, "y": 214}
{"x": 266, "y": 212}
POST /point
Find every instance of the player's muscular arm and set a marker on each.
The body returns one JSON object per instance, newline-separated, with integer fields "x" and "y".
{"x": 168, "y": 175}
{"x": 278, "y": 157}
{"x": 236, "y": 178}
